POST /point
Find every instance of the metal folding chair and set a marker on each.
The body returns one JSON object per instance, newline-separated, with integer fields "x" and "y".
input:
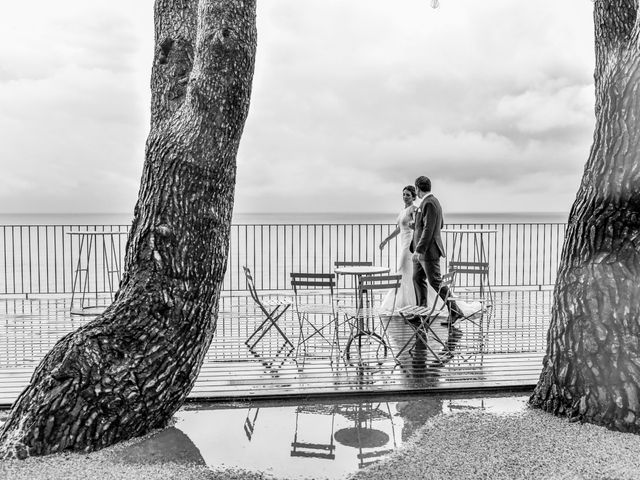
{"x": 272, "y": 309}
{"x": 424, "y": 316}
{"x": 367, "y": 322}
{"x": 313, "y": 298}
{"x": 479, "y": 274}
{"x": 480, "y": 270}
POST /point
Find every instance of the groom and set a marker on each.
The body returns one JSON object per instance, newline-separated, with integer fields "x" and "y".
{"x": 427, "y": 248}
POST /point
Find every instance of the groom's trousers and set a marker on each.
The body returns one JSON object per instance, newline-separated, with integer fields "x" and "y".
{"x": 426, "y": 271}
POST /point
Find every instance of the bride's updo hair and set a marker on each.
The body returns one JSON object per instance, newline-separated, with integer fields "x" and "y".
{"x": 412, "y": 190}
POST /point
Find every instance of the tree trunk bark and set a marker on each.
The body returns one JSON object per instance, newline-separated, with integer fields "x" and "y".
{"x": 591, "y": 370}
{"x": 129, "y": 370}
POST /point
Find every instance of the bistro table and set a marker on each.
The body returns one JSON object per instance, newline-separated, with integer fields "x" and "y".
{"x": 475, "y": 256}
{"x": 362, "y": 327}
{"x": 98, "y": 269}
{"x": 358, "y": 271}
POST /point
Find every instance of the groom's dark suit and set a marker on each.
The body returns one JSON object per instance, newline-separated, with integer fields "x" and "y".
{"x": 427, "y": 241}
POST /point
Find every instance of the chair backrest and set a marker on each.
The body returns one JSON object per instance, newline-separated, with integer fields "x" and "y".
{"x": 352, "y": 263}
{"x": 448, "y": 280}
{"x": 312, "y": 281}
{"x": 250, "y": 284}
{"x": 252, "y": 290}
{"x": 472, "y": 268}
{"x": 370, "y": 283}
{"x": 379, "y": 282}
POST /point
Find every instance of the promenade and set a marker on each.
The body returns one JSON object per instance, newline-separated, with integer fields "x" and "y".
{"x": 509, "y": 354}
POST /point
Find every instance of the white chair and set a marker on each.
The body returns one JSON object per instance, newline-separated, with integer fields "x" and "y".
{"x": 273, "y": 310}
{"x": 314, "y": 299}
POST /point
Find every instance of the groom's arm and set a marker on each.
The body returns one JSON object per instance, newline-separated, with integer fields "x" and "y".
{"x": 429, "y": 217}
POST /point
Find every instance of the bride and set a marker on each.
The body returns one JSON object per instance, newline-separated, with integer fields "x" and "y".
{"x": 404, "y": 227}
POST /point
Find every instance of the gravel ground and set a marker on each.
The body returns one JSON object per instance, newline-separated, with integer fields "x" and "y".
{"x": 475, "y": 445}
{"x": 138, "y": 459}
{"x": 528, "y": 445}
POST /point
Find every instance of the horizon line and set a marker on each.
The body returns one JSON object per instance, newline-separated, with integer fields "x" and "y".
{"x": 309, "y": 213}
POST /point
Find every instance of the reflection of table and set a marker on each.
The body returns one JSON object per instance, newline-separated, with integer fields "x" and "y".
{"x": 97, "y": 269}
{"x": 369, "y": 441}
{"x": 359, "y": 271}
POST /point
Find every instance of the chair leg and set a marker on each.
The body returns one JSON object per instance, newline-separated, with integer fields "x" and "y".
{"x": 411, "y": 338}
{"x": 303, "y": 318}
{"x": 422, "y": 331}
{"x": 273, "y": 322}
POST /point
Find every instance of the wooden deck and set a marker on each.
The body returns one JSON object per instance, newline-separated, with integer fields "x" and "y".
{"x": 509, "y": 355}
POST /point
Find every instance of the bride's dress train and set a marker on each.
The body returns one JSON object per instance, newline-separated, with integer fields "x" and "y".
{"x": 406, "y": 293}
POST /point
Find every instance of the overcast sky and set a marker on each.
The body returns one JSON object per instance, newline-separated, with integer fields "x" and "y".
{"x": 352, "y": 99}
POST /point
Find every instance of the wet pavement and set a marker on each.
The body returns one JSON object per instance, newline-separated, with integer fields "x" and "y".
{"x": 503, "y": 349}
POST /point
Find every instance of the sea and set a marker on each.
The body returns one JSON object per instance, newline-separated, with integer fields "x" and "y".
{"x": 275, "y": 218}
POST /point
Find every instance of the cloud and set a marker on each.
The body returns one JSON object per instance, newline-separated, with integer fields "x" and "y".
{"x": 351, "y": 101}
{"x": 479, "y": 95}
{"x": 72, "y": 106}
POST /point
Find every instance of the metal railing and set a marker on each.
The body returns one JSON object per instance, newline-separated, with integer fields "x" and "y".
{"x": 43, "y": 259}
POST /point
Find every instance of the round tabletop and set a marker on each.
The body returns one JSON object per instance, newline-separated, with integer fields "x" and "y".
{"x": 361, "y": 270}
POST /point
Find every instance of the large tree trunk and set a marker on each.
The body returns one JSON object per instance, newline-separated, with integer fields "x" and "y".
{"x": 130, "y": 369}
{"x": 591, "y": 371}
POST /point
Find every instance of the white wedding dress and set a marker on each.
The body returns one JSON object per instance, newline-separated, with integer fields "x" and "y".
{"x": 406, "y": 293}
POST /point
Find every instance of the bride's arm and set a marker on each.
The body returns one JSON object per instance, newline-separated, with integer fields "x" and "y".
{"x": 391, "y": 235}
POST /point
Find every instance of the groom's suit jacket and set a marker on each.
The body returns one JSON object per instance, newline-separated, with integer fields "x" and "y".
{"x": 426, "y": 234}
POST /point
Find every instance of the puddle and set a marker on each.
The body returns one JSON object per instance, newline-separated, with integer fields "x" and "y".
{"x": 327, "y": 440}
{"x": 307, "y": 440}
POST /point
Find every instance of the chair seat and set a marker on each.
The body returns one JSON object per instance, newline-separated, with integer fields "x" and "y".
{"x": 273, "y": 302}
{"x": 468, "y": 298}
{"x": 415, "y": 310}
{"x": 319, "y": 308}
{"x": 314, "y": 293}
{"x": 365, "y": 312}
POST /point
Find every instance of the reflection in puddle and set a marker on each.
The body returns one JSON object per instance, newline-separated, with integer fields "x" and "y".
{"x": 309, "y": 440}
{"x": 492, "y": 405}
{"x": 325, "y": 440}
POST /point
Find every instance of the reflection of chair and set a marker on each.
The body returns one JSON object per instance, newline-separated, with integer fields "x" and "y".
{"x": 420, "y": 318}
{"x": 367, "y": 322}
{"x": 271, "y": 361}
{"x": 483, "y": 297}
{"x": 313, "y": 299}
{"x": 250, "y": 423}
{"x": 324, "y": 451}
{"x": 278, "y": 307}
